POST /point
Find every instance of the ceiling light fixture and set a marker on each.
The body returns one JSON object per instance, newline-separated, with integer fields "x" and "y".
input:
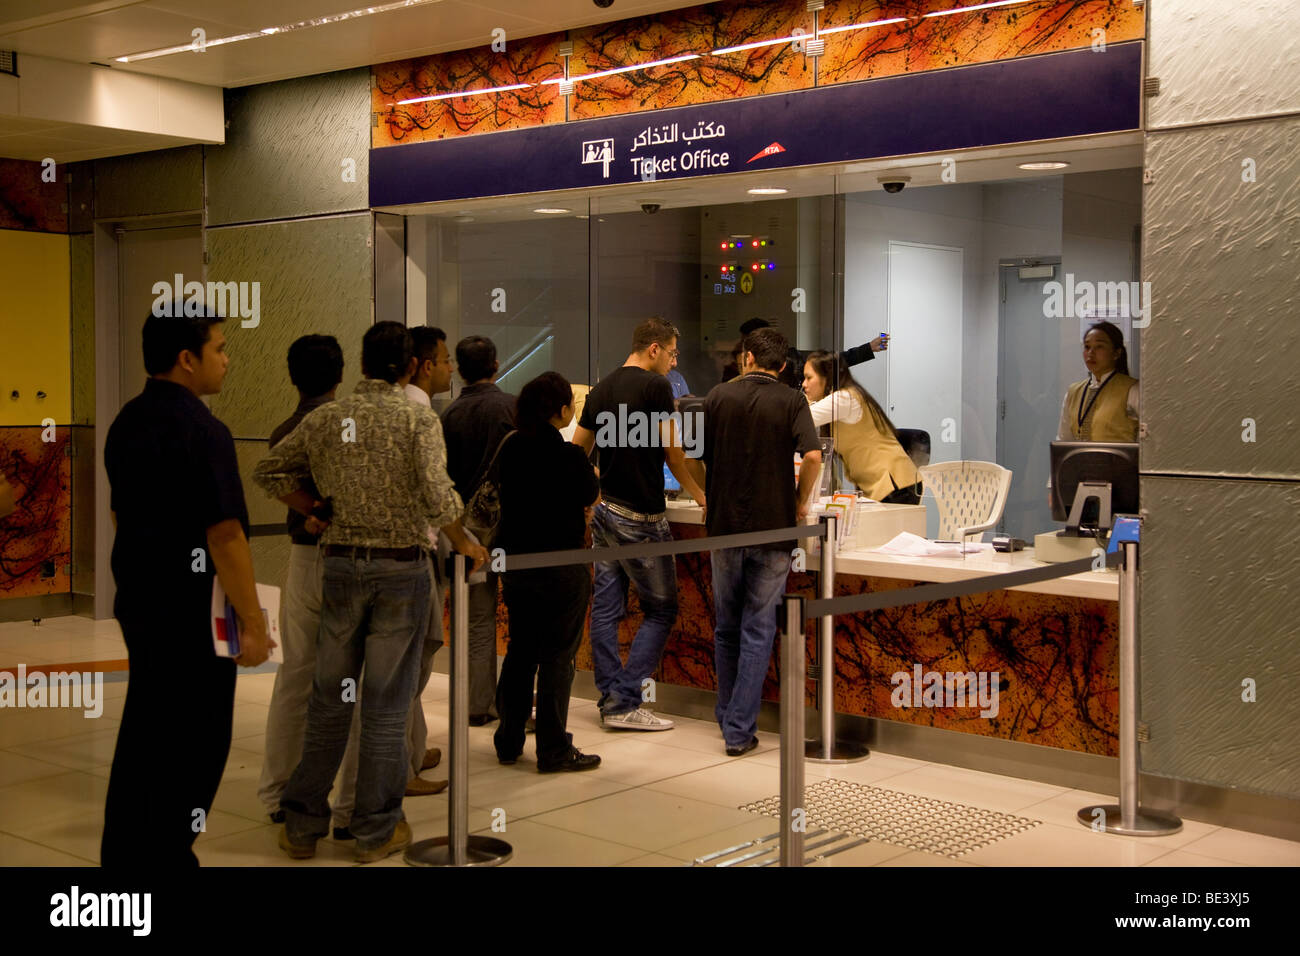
{"x": 978, "y": 6}
{"x": 552, "y": 211}
{"x": 861, "y": 26}
{"x": 766, "y": 191}
{"x": 624, "y": 69}
{"x": 194, "y": 47}
{"x": 1054, "y": 164}
{"x": 759, "y": 43}
{"x": 448, "y": 96}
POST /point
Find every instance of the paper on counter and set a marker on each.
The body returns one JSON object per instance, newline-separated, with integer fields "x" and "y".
{"x": 910, "y": 545}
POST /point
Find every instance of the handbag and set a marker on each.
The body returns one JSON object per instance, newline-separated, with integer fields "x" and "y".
{"x": 483, "y": 510}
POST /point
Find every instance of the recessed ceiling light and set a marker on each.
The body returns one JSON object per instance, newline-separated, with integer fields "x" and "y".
{"x": 1054, "y": 164}
{"x": 766, "y": 191}
{"x": 464, "y": 218}
{"x": 201, "y": 45}
{"x": 552, "y": 211}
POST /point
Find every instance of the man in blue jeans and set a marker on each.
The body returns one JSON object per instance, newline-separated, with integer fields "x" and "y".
{"x": 624, "y": 418}
{"x": 753, "y": 426}
{"x": 378, "y": 458}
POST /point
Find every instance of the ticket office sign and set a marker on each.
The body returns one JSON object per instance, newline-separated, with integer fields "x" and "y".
{"x": 1074, "y": 93}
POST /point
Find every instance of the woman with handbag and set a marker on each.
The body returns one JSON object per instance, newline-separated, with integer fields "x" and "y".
{"x": 545, "y": 485}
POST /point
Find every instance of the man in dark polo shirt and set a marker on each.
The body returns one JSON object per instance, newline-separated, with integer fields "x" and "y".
{"x": 473, "y": 426}
{"x": 753, "y": 426}
{"x": 178, "y": 507}
{"x": 623, "y": 418}
{"x": 379, "y": 457}
{"x": 315, "y": 368}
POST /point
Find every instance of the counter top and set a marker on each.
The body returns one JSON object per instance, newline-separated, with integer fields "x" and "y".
{"x": 1097, "y": 585}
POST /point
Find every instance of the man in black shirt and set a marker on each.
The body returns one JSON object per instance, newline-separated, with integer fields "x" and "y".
{"x": 473, "y": 426}
{"x": 624, "y": 416}
{"x": 178, "y": 508}
{"x": 753, "y": 426}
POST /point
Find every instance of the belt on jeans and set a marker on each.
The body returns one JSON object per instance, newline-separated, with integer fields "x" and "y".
{"x": 631, "y": 515}
{"x": 412, "y": 553}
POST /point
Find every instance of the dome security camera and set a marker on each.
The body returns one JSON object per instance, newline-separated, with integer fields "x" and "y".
{"x": 649, "y": 208}
{"x": 893, "y": 182}
{"x": 603, "y": 4}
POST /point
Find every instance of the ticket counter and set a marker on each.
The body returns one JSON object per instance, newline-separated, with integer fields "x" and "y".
{"x": 1054, "y": 644}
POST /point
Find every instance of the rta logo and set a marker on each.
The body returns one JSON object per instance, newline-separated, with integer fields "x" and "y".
{"x": 770, "y": 150}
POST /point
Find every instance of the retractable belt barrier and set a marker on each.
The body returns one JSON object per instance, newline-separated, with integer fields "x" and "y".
{"x": 458, "y": 848}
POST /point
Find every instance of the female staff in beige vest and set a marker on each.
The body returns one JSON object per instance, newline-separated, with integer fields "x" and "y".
{"x": 1103, "y": 407}
{"x": 865, "y": 438}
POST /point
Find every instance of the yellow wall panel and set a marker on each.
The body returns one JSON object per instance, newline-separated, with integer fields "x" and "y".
{"x": 35, "y": 328}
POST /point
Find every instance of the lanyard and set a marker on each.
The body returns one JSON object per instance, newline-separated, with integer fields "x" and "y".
{"x": 1085, "y": 409}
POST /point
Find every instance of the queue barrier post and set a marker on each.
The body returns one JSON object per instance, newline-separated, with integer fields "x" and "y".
{"x": 458, "y": 848}
{"x": 793, "y": 814}
{"x": 827, "y": 749}
{"x": 1127, "y": 818}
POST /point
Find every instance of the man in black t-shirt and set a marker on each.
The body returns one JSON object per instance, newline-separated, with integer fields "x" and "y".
{"x": 753, "y": 426}
{"x": 626, "y": 418}
{"x": 179, "y": 517}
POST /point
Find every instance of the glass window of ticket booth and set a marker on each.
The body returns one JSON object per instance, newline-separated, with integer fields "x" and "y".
{"x": 976, "y": 280}
{"x": 957, "y": 270}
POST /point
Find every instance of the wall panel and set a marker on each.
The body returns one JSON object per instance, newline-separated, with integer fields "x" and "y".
{"x": 286, "y": 147}
{"x": 314, "y": 275}
{"x": 146, "y": 184}
{"x": 1218, "y": 61}
{"x": 1222, "y": 256}
{"x": 1220, "y": 604}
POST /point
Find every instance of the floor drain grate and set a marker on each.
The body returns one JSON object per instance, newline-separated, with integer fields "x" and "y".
{"x": 902, "y": 819}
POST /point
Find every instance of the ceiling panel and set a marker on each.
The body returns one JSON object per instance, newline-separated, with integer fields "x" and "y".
{"x": 88, "y": 32}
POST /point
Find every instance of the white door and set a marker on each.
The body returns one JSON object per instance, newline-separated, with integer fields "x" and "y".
{"x": 925, "y": 342}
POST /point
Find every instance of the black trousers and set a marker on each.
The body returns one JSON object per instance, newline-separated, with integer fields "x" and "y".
{"x": 172, "y": 746}
{"x": 907, "y": 495}
{"x": 547, "y": 608}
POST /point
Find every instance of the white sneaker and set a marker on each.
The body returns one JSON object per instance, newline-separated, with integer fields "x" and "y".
{"x": 639, "y": 719}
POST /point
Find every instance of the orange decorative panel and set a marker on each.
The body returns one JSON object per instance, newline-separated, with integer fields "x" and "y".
{"x": 915, "y": 44}
{"x": 525, "y": 61}
{"x": 699, "y": 30}
{"x": 933, "y": 43}
{"x": 36, "y": 540}
{"x": 30, "y": 203}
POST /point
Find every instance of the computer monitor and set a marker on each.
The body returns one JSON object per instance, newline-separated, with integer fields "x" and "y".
{"x": 1092, "y": 482}
{"x": 671, "y": 485}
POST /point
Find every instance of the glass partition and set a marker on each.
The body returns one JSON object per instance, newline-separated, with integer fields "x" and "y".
{"x": 959, "y": 276}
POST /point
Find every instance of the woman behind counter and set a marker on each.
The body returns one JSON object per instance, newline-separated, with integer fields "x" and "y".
{"x": 865, "y": 438}
{"x": 546, "y": 486}
{"x": 1103, "y": 407}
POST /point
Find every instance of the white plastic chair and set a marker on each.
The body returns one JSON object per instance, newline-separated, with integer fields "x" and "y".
{"x": 970, "y": 496}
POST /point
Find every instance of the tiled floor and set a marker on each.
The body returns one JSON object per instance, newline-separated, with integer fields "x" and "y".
{"x": 657, "y": 800}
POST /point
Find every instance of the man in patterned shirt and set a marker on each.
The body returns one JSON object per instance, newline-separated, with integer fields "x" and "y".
{"x": 381, "y": 462}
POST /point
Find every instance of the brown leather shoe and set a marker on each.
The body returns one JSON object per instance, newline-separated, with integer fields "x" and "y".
{"x": 419, "y": 787}
{"x": 432, "y": 757}
{"x": 399, "y": 841}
